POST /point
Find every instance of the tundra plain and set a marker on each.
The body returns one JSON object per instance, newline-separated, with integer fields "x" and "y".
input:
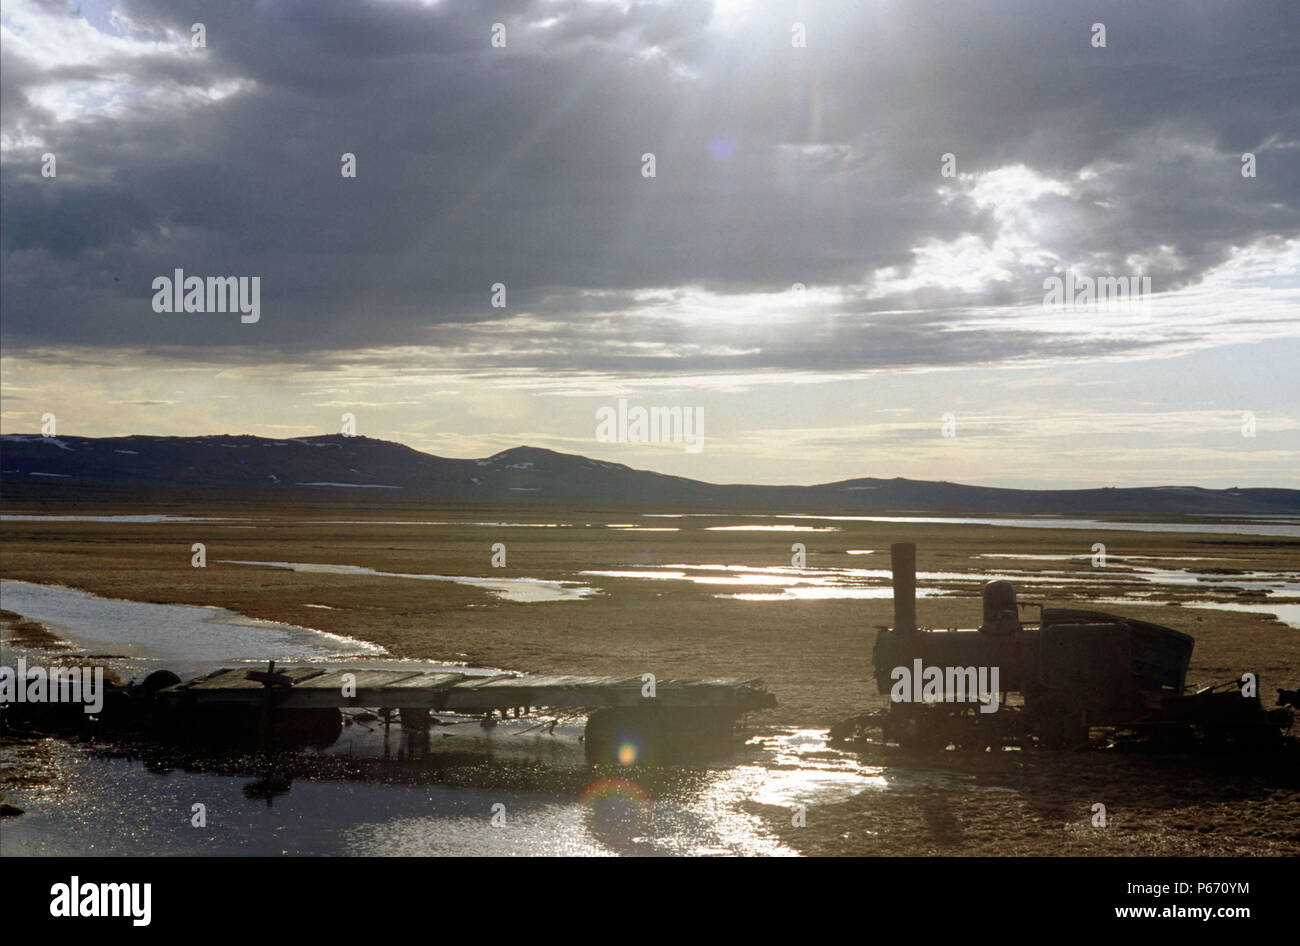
{"x": 813, "y": 653}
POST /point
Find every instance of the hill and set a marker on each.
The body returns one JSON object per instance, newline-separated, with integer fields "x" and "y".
{"x": 357, "y": 466}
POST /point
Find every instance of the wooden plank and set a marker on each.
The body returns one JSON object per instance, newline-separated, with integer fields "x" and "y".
{"x": 553, "y": 691}
{"x": 299, "y": 675}
{"x": 443, "y": 690}
{"x": 231, "y": 680}
{"x": 238, "y": 678}
{"x": 427, "y": 681}
{"x": 558, "y": 682}
{"x": 474, "y": 683}
{"x": 206, "y": 678}
{"x": 395, "y": 689}
{"x": 592, "y": 691}
{"x": 361, "y": 679}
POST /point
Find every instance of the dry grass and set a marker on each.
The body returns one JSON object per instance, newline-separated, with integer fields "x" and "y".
{"x": 18, "y": 630}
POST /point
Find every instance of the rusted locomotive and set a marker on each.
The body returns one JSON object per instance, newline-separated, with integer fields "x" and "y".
{"x": 1049, "y": 684}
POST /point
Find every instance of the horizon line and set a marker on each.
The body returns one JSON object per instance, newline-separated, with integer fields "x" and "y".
{"x": 525, "y": 446}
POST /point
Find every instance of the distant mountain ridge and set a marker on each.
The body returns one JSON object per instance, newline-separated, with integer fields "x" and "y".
{"x": 356, "y": 466}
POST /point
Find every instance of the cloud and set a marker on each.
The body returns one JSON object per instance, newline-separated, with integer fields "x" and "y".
{"x": 521, "y": 165}
{"x": 798, "y": 252}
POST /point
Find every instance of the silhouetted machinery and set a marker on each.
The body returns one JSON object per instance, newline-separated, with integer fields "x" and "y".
{"x": 1050, "y": 684}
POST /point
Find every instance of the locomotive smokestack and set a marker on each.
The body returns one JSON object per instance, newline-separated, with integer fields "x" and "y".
{"x": 902, "y": 558}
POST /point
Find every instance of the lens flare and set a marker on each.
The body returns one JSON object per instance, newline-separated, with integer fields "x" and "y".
{"x": 615, "y": 788}
{"x": 617, "y": 812}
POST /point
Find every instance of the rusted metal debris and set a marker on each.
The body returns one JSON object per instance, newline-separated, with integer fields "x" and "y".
{"x": 1076, "y": 679}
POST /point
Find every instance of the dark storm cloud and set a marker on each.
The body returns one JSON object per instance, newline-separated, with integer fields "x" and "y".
{"x": 521, "y": 166}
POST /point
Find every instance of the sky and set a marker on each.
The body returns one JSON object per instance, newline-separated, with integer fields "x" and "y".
{"x": 838, "y": 260}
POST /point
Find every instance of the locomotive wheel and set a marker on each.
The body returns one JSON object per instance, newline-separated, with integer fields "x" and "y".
{"x": 1055, "y": 723}
{"x": 158, "y": 680}
{"x": 917, "y": 727}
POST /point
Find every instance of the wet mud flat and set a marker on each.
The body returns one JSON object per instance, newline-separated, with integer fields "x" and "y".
{"x": 1043, "y": 804}
{"x": 464, "y": 792}
{"x": 128, "y": 784}
{"x": 783, "y": 793}
{"x": 814, "y": 654}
